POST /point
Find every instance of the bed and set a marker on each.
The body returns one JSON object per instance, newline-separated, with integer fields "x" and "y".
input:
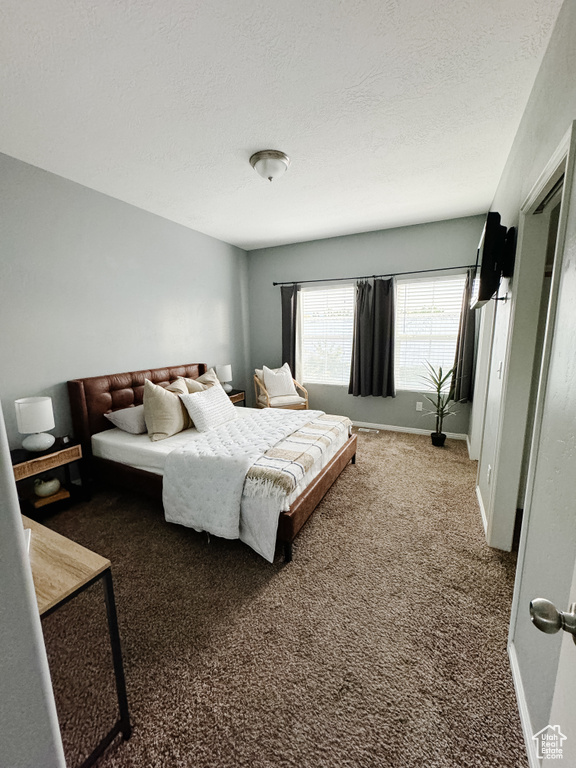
{"x": 91, "y": 398}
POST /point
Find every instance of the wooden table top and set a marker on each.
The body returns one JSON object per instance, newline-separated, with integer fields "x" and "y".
{"x": 59, "y": 565}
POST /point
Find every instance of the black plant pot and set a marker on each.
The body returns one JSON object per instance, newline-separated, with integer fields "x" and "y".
{"x": 438, "y": 439}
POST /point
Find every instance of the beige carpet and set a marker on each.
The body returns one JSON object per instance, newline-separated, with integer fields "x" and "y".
{"x": 382, "y": 644}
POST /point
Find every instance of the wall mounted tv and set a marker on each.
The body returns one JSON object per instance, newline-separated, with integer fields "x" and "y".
{"x": 491, "y": 251}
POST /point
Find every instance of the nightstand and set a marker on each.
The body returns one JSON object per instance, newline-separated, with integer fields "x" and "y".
{"x": 238, "y": 396}
{"x": 27, "y": 464}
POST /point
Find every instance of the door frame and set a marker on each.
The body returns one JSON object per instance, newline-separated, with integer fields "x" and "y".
{"x": 561, "y": 162}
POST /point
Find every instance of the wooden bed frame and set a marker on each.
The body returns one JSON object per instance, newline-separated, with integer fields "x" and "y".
{"x": 91, "y": 398}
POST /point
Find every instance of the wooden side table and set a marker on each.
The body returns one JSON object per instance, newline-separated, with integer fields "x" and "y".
{"x": 238, "y": 396}
{"x": 27, "y": 464}
{"x": 61, "y": 569}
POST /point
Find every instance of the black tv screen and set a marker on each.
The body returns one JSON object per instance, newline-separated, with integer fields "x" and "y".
{"x": 489, "y": 261}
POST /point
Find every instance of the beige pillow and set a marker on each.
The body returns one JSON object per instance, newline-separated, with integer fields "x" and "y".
{"x": 179, "y": 387}
{"x": 209, "y": 378}
{"x": 192, "y": 385}
{"x": 163, "y": 410}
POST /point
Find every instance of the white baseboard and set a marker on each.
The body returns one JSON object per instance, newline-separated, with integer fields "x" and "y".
{"x": 482, "y": 510}
{"x": 469, "y": 447}
{"x": 530, "y": 744}
{"x": 411, "y": 430}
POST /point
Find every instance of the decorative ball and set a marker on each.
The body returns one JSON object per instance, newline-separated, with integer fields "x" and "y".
{"x": 46, "y": 487}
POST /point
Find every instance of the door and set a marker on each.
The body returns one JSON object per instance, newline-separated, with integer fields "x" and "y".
{"x": 563, "y": 698}
{"x": 547, "y": 554}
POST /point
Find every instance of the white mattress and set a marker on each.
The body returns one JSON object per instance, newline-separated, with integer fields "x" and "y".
{"x": 140, "y": 452}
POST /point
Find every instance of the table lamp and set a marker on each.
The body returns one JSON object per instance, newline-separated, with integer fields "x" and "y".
{"x": 224, "y": 373}
{"x": 34, "y": 415}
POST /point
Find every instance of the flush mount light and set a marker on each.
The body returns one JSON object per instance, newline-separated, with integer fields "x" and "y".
{"x": 270, "y": 163}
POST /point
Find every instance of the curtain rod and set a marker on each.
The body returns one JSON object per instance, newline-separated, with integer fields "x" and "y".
{"x": 368, "y": 277}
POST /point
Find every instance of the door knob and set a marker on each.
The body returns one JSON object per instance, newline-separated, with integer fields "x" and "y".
{"x": 547, "y": 618}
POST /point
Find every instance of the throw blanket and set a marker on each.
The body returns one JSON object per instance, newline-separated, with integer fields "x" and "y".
{"x": 204, "y": 479}
{"x": 281, "y": 469}
{"x": 264, "y": 455}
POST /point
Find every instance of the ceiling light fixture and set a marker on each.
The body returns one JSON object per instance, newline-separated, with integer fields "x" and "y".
{"x": 270, "y": 163}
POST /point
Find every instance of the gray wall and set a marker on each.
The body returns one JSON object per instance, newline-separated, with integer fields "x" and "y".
{"x": 91, "y": 285}
{"x": 426, "y": 246}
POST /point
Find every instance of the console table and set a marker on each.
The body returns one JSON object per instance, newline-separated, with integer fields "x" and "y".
{"x": 61, "y": 569}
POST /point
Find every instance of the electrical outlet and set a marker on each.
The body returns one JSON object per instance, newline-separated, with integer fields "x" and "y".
{"x": 489, "y": 474}
{"x": 418, "y": 406}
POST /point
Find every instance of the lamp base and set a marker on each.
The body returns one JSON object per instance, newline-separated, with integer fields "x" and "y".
{"x": 227, "y": 387}
{"x": 40, "y": 441}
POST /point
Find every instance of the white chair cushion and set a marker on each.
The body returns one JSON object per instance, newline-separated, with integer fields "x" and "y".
{"x": 279, "y": 382}
{"x": 276, "y": 402}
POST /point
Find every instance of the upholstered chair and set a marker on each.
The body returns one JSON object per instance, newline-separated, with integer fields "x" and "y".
{"x": 265, "y": 399}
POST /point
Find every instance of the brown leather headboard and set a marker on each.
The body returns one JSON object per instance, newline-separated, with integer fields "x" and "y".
{"x": 91, "y": 398}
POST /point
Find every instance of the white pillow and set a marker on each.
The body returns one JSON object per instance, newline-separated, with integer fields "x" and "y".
{"x": 279, "y": 382}
{"x": 209, "y": 409}
{"x": 129, "y": 419}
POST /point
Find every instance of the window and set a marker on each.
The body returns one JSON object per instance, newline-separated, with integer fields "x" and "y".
{"x": 326, "y": 324}
{"x": 427, "y": 320}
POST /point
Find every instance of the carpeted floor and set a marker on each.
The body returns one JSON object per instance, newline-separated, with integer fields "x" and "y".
{"x": 382, "y": 644}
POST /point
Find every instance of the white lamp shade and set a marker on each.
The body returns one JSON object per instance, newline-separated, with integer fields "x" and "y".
{"x": 34, "y": 414}
{"x": 270, "y": 163}
{"x": 224, "y": 372}
{"x": 270, "y": 168}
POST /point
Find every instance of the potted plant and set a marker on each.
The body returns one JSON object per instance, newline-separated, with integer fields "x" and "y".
{"x": 442, "y": 401}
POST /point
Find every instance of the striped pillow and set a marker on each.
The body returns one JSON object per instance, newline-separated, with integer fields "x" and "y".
{"x": 209, "y": 409}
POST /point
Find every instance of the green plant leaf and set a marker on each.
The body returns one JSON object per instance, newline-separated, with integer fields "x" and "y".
{"x": 442, "y": 402}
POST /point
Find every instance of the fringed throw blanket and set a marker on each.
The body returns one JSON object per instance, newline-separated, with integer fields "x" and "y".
{"x": 281, "y": 469}
{"x": 206, "y": 479}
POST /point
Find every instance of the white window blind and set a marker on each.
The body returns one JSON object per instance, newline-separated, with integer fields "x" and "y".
{"x": 326, "y": 327}
{"x": 427, "y": 319}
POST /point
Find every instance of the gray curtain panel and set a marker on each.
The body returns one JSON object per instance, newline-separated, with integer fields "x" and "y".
{"x": 372, "y": 369}
{"x": 289, "y": 298}
{"x": 463, "y": 376}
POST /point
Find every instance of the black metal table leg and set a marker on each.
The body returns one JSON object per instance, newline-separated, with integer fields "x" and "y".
{"x": 124, "y": 722}
{"x": 122, "y": 726}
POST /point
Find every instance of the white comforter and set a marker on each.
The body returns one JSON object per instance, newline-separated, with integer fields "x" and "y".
{"x": 204, "y": 479}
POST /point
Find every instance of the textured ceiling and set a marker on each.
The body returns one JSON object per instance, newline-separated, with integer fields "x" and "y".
{"x": 393, "y": 111}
